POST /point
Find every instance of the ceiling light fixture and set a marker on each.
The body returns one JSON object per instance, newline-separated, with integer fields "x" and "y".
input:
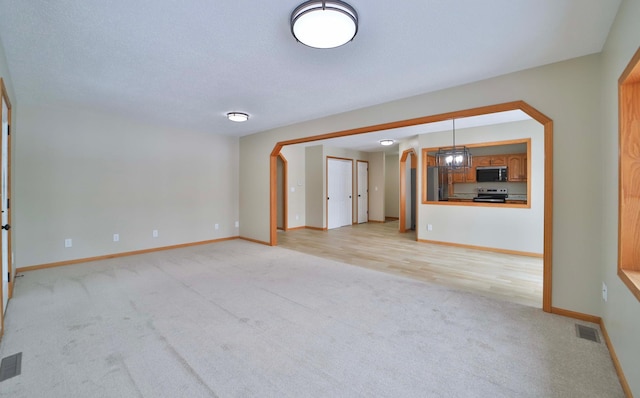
{"x": 324, "y": 24}
{"x": 386, "y": 142}
{"x": 237, "y": 117}
{"x": 455, "y": 159}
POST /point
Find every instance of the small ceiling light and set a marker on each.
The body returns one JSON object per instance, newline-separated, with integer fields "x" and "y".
{"x": 386, "y": 142}
{"x": 237, "y": 117}
{"x": 324, "y": 24}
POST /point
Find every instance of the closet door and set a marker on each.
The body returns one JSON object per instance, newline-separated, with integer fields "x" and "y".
{"x": 339, "y": 192}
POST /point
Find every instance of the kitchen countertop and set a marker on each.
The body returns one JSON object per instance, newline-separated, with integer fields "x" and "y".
{"x": 470, "y": 196}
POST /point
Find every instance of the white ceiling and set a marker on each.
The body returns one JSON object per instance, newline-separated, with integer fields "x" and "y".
{"x": 187, "y": 63}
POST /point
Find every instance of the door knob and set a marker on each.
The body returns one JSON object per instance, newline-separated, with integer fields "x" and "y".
{"x": 7, "y": 227}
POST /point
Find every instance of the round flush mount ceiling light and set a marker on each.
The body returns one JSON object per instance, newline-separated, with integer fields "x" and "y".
{"x": 324, "y": 24}
{"x": 237, "y": 117}
{"x": 386, "y": 142}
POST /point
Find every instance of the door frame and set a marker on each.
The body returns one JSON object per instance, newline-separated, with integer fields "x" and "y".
{"x": 541, "y": 118}
{"x": 403, "y": 187}
{"x": 5, "y": 97}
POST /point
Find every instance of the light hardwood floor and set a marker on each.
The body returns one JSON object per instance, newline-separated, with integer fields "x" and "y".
{"x": 381, "y": 247}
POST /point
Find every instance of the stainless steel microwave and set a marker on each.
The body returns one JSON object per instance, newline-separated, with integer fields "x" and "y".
{"x": 491, "y": 174}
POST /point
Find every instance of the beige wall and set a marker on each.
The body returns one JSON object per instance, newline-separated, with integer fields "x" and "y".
{"x": 567, "y": 92}
{"x": 296, "y": 194}
{"x": 392, "y": 186}
{"x": 4, "y": 74}
{"x": 87, "y": 175}
{"x": 314, "y": 195}
{"x": 621, "y": 313}
{"x": 496, "y": 227}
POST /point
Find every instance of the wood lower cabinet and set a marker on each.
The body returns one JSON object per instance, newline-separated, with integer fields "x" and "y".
{"x": 517, "y": 167}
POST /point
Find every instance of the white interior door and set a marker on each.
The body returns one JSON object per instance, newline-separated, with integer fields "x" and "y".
{"x": 339, "y": 192}
{"x": 4, "y": 166}
{"x": 363, "y": 192}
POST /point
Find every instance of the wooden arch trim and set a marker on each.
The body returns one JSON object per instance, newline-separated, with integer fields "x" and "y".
{"x": 403, "y": 186}
{"x": 545, "y": 121}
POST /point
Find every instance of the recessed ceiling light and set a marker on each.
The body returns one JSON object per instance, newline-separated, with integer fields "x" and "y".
{"x": 324, "y": 24}
{"x": 237, "y": 116}
{"x": 386, "y": 142}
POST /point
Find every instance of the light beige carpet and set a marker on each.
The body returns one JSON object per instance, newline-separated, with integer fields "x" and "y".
{"x": 237, "y": 319}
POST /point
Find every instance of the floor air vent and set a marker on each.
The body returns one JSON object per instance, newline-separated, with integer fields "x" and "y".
{"x": 10, "y": 366}
{"x": 588, "y": 333}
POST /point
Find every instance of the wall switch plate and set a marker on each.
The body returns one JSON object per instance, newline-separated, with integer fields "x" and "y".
{"x": 155, "y": 233}
{"x": 237, "y": 224}
{"x": 429, "y": 227}
{"x": 293, "y": 189}
{"x": 217, "y": 226}
{"x": 68, "y": 243}
{"x": 604, "y": 291}
{"x": 116, "y": 237}
{"x": 297, "y": 216}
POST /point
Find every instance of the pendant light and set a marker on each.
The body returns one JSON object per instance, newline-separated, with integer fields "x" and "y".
{"x": 454, "y": 158}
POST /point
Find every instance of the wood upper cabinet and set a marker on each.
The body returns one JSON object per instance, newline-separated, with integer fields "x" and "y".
{"x": 431, "y": 161}
{"x": 493, "y": 160}
{"x": 517, "y": 167}
{"x": 471, "y": 173}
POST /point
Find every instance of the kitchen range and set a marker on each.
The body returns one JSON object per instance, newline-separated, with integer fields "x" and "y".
{"x": 492, "y": 195}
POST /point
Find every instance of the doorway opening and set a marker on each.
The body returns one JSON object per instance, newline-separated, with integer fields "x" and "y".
{"x": 545, "y": 121}
{"x": 282, "y": 192}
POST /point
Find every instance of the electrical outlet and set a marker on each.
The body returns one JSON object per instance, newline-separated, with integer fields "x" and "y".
{"x": 237, "y": 224}
{"x": 68, "y": 243}
{"x": 297, "y": 217}
{"x": 604, "y": 291}
{"x": 217, "y": 226}
{"x": 116, "y": 237}
{"x": 155, "y": 233}
{"x": 429, "y": 227}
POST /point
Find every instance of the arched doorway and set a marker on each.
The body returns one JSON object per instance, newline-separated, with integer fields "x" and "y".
{"x": 545, "y": 121}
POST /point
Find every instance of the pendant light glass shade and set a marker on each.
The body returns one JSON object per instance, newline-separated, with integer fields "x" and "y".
{"x": 324, "y": 24}
{"x": 454, "y": 158}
